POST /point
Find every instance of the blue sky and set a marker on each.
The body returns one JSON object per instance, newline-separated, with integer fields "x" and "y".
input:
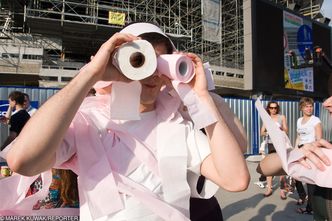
{"x": 327, "y": 9}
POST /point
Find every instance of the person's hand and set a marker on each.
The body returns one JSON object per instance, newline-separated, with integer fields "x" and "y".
{"x": 313, "y": 153}
{"x": 199, "y": 82}
{"x": 12, "y": 103}
{"x": 101, "y": 64}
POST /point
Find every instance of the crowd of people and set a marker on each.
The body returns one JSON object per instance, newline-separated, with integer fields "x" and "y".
{"x": 308, "y": 129}
{"x": 120, "y": 168}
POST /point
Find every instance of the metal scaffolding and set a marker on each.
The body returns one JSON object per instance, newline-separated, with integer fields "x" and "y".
{"x": 83, "y": 25}
{"x": 308, "y": 8}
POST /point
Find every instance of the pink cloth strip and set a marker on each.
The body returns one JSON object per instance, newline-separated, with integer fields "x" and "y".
{"x": 125, "y": 100}
{"x": 209, "y": 76}
{"x": 198, "y": 111}
{"x": 172, "y": 147}
{"x": 42, "y": 212}
{"x": 139, "y": 149}
{"x": 97, "y": 183}
{"x": 152, "y": 201}
{"x": 90, "y": 151}
{"x": 15, "y": 203}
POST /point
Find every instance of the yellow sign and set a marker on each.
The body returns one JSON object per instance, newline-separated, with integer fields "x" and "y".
{"x": 116, "y": 18}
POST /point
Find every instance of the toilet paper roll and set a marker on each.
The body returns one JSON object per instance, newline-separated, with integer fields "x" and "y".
{"x": 136, "y": 60}
{"x": 176, "y": 67}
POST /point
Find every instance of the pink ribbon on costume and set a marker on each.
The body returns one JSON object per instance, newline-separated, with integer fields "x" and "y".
{"x": 100, "y": 188}
{"x": 13, "y": 192}
{"x": 198, "y": 111}
{"x": 290, "y": 156}
{"x": 151, "y": 201}
{"x": 172, "y": 147}
{"x": 20, "y": 184}
{"x": 125, "y": 100}
{"x": 128, "y": 109}
{"x": 209, "y": 76}
{"x": 41, "y": 212}
{"x": 97, "y": 183}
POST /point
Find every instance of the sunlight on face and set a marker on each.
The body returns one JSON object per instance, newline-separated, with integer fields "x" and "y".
{"x": 151, "y": 85}
{"x": 307, "y": 109}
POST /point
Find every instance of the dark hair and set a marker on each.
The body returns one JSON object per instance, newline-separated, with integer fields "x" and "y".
{"x": 68, "y": 187}
{"x": 26, "y": 95}
{"x": 268, "y": 106}
{"x": 17, "y": 96}
{"x": 157, "y": 39}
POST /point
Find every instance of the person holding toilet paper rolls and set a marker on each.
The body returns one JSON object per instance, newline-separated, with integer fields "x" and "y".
{"x": 143, "y": 169}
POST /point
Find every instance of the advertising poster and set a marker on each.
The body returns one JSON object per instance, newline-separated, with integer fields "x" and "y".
{"x": 298, "y": 50}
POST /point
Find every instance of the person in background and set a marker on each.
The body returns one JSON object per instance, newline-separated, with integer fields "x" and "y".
{"x": 11, "y": 109}
{"x": 273, "y": 110}
{"x": 63, "y": 192}
{"x": 321, "y": 199}
{"x": 261, "y": 183}
{"x": 17, "y": 121}
{"x": 309, "y": 129}
{"x": 30, "y": 109}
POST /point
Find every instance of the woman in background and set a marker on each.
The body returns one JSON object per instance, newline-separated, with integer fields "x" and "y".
{"x": 274, "y": 111}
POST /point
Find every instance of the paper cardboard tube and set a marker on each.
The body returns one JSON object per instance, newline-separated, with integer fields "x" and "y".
{"x": 136, "y": 60}
{"x": 176, "y": 67}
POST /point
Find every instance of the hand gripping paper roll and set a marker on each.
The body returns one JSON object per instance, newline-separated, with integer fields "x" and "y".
{"x": 176, "y": 67}
{"x": 136, "y": 60}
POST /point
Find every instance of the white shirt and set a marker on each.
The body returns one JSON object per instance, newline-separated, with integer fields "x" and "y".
{"x": 31, "y": 110}
{"x": 306, "y": 131}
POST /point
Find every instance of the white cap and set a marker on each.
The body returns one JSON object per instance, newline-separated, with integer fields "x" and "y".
{"x": 142, "y": 28}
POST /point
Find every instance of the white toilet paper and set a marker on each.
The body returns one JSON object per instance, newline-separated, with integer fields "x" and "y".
{"x": 176, "y": 67}
{"x": 136, "y": 60}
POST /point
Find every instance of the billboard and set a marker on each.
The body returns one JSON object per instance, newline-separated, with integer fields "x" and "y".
{"x": 283, "y": 44}
{"x": 298, "y": 50}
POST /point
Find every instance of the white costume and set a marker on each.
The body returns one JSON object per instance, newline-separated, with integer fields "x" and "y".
{"x": 140, "y": 169}
{"x": 161, "y": 154}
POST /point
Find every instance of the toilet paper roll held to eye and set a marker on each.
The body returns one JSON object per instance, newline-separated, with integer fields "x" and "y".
{"x": 176, "y": 67}
{"x": 136, "y": 60}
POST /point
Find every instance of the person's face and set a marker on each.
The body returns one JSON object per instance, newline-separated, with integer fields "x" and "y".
{"x": 328, "y": 105}
{"x": 307, "y": 109}
{"x": 273, "y": 108}
{"x": 151, "y": 85}
{"x": 26, "y": 102}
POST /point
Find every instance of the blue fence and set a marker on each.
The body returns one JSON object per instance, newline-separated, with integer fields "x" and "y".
{"x": 244, "y": 109}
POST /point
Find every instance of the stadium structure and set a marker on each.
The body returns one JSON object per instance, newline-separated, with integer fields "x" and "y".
{"x": 45, "y": 42}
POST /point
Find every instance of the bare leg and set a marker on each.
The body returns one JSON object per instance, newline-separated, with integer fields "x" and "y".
{"x": 269, "y": 186}
{"x": 283, "y": 195}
